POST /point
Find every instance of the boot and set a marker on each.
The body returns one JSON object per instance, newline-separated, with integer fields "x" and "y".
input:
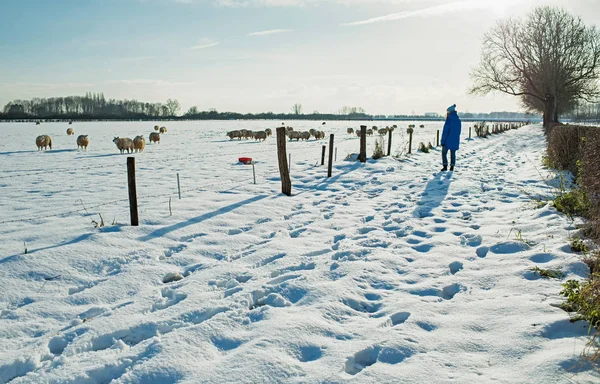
{"x": 444, "y": 169}
{"x": 452, "y": 168}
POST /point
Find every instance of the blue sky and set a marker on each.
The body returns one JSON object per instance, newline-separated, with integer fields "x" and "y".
{"x": 388, "y": 56}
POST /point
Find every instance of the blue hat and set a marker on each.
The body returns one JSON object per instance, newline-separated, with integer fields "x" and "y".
{"x": 451, "y": 108}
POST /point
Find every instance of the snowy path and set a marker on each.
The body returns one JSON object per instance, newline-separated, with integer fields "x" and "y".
{"x": 390, "y": 272}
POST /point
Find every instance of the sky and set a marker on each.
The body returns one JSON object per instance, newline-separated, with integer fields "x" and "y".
{"x": 386, "y": 56}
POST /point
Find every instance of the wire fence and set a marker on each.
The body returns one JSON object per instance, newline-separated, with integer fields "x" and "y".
{"x": 271, "y": 173}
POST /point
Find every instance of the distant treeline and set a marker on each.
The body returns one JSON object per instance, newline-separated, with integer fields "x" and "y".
{"x": 586, "y": 112}
{"x": 94, "y": 107}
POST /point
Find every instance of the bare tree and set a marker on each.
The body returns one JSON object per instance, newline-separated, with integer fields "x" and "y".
{"x": 297, "y": 109}
{"x": 173, "y": 107}
{"x": 192, "y": 111}
{"x": 550, "y": 59}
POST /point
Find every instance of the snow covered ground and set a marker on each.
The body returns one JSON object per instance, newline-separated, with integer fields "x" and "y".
{"x": 389, "y": 272}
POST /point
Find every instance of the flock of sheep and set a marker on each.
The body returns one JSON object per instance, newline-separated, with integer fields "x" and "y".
{"x": 381, "y": 131}
{"x": 248, "y": 134}
{"x": 262, "y": 135}
{"x": 123, "y": 143}
{"x": 139, "y": 142}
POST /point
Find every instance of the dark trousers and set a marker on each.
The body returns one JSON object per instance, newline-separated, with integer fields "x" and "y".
{"x": 445, "y": 156}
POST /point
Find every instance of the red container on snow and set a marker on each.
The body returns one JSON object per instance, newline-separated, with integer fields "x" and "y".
{"x": 245, "y": 160}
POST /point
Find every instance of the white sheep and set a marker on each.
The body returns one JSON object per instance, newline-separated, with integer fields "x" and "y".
{"x": 43, "y": 141}
{"x": 155, "y": 137}
{"x": 163, "y": 130}
{"x": 124, "y": 144}
{"x": 139, "y": 143}
{"x": 70, "y": 131}
{"x": 234, "y": 134}
{"x": 260, "y": 135}
{"x": 83, "y": 141}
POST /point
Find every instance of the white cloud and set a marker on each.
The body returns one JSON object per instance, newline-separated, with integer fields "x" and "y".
{"x": 439, "y": 10}
{"x": 269, "y": 32}
{"x": 147, "y": 82}
{"x": 290, "y": 3}
{"x": 203, "y": 46}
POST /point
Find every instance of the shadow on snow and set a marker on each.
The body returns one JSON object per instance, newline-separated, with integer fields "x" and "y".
{"x": 195, "y": 220}
{"x": 433, "y": 195}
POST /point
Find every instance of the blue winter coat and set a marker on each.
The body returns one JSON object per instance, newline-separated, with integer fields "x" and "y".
{"x": 451, "y": 132}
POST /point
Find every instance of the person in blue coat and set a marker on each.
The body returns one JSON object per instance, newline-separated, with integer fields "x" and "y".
{"x": 450, "y": 137}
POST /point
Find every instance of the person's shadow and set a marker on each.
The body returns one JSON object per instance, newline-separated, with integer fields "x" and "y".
{"x": 433, "y": 195}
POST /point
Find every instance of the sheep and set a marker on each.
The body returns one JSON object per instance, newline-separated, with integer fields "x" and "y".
{"x": 305, "y": 135}
{"x": 83, "y": 141}
{"x": 289, "y": 129}
{"x": 374, "y": 128}
{"x": 234, "y": 134}
{"x": 294, "y": 135}
{"x": 43, "y": 141}
{"x": 154, "y": 137}
{"x": 369, "y": 132}
{"x": 260, "y": 135}
{"x": 139, "y": 143}
{"x": 313, "y": 132}
{"x": 70, "y": 131}
{"x": 350, "y": 130}
{"x": 163, "y": 130}
{"x": 319, "y": 135}
{"x": 156, "y": 127}
{"x": 245, "y": 133}
{"x": 268, "y": 131}
{"x": 123, "y": 143}
{"x": 383, "y": 131}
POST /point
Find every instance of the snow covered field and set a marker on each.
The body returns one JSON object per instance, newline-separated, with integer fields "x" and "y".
{"x": 389, "y": 272}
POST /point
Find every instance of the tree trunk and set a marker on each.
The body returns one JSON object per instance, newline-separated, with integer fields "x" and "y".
{"x": 550, "y": 113}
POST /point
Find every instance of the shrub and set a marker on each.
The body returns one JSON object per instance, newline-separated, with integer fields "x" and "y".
{"x": 548, "y": 273}
{"x": 378, "y": 152}
{"x": 583, "y": 298}
{"x": 577, "y": 245}
{"x": 565, "y": 146}
{"x": 572, "y": 203}
{"x": 590, "y": 180}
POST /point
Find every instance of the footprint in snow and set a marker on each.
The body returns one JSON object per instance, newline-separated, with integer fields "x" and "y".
{"x": 373, "y": 354}
{"x": 396, "y": 319}
{"x": 174, "y": 250}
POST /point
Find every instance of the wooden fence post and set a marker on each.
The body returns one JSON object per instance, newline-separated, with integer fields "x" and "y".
{"x": 178, "y": 186}
{"x": 362, "y": 156}
{"x": 330, "y": 155}
{"x": 438, "y": 138}
{"x": 335, "y": 159}
{"x": 389, "y": 142}
{"x": 323, "y": 155}
{"x": 284, "y": 171}
{"x": 133, "y": 206}
{"x": 410, "y": 142}
{"x": 469, "y": 132}
{"x": 253, "y": 173}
